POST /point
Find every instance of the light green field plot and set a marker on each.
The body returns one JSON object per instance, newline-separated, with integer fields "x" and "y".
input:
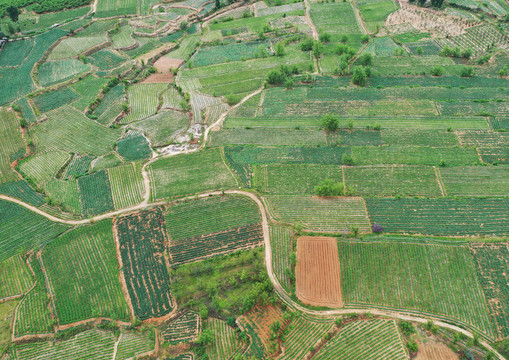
{"x": 21, "y": 190}
{"x": 26, "y": 110}
{"x": 21, "y": 229}
{"x": 134, "y": 148}
{"x": 126, "y": 185}
{"x": 11, "y": 146}
{"x": 77, "y": 167}
{"x": 107, "y": 8}
{"x": 293, "y": 179}
{"x": 403, "y": 65}
{"x": 74, "y": 46}
{"x": 373, "y": 339}
{"x": 385, "y": 46}
{"x": 91, "y": 344}
{"x": 320, "y": 214}
{"x": 88, "y": 253}
{"x": 162, "y": 126}
{"x": 392, "y": 180}
{"x": 483, "y": 138}
{"x": 15, "y": 278}
{"x": 267, "y": 137}
{"x": 431, "y": 278}
{"x": 172, "y": 99}
{"x": 178, "y": 175}
{"x": 186, "y": 48}
{"x": 41, "y": 168}
{"x": 374, "y": 14}
{"x": 282, "y": 243}
{"x": 133, "y": 344}
{"x": 230, "y": 52}
{"x": 95, "y": 193}
{"x": 408, "y": 155}
{"x": 447, "y": 217}
{"x": 88, "y": 89}
{"x": 419, "y": 137}
{"x": 33, "y": 315}
{"x": 53, "y": 72}
{"x": 106, "y": 59}
{"x": 111, "y": 105}
{"x": 64, "y": 193}
{"x": 107, "y": 161}
{"x": 122, "y": 38}
{"x": 143, "y": 101}
{"x": 326, "y": 19}
{"x": 476, "y": 180}
{"x": 225, "y": 343}
{"x": 59, "y": 133}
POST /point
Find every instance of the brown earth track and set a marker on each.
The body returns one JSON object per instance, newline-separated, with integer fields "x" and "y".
{"x": 318, "y": 274}
{"x": 435, "y": 351}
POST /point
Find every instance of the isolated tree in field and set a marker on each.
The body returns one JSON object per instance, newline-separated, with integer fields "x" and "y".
{"x": 317, "y": 49}
{"x": 13, "y": 13}
{"x": 218, "y": 4}
{"x": 419, "y": 50}
{"x": 329, "y": 187}
{"x": 359, "y": 76}
{"x": 325, "y": 38}
{"x": 437, "y": 71}
{"x": 280, "y": 49}
{"x": 330, "y": 122}
{"x": 366, "y": 59}
{"x": 306, "y": 45}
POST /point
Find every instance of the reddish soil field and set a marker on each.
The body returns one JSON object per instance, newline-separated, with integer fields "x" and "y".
{"x": 163, "y": 65}
{"x": 261, "y": 318}
{"x": 435, "y": 351}
{"x": 158, "y": 79}
{"x": 318, "y": 274}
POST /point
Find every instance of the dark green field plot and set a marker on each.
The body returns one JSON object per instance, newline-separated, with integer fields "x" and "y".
{"x": 229, "y": 52}
{"x": 55, "y": 99}
{"x": 435, "y": 279}
{"x": 448, "y": 217}
{"x": 267, "y": 137}
{"x": 142, "y": 239}
{"x": 12, "y": 146}
{"x": 83, "y": 274}
{"x": 21, "y": 229}
{"x": 26, "y": 110}
{"x": 88, "y": 89}
{"x": 216, "y": 226}
{"x": 286, "y": 155}
{"x": 183, "y": 329}
{"x": 392, "y": 180}
{"x": 292, "y": 178}
{"x": 106, "y": 59}
{"x": 134, "y": 148}
{"x": 492, "y": 262}
{"x": 21, "y": 190}
{"x": 410, "y": 155}
{"x": 493, "y": 146}
{"x": 419, "y": 137}
{"x": 189, "y": 174}
{"x": 95, "y": 193}
{"x": 428, "y": 47}
{"x": 354, "y": 138}
{"x": 77, "y": 167}
{"x": 476, "y": 180}
{"x": 60, "y": 132}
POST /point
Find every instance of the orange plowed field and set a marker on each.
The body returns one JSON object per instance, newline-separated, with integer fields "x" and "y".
{"x": 158, "y": 79}
{"x": 317, "y": 274}
{"x": 164, "y": 64}
{"x": 435, "y": 351}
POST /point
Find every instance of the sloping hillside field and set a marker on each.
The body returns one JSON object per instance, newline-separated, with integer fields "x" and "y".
{"x": 254, "y": 179}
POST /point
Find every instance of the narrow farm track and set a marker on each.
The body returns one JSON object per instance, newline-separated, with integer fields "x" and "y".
{"x": 309, "y": 21}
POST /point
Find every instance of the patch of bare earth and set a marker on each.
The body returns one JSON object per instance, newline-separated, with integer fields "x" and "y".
{"x": 435, "y": 351}
{"x": 164, "y": 64}
{"x": 158, "y": 79}
{"x": 318, "y": 274}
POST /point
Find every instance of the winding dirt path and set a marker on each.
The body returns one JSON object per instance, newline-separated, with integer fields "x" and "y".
{"x": 309, "y": 21}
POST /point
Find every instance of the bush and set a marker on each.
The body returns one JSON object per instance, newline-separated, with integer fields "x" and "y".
{"x": 377, "y": 228}
{"x": 347, "y": 159}
{"x": 306, "y": 45}
{"x": 437, "y": 71}
{"x": 280, "y": 49}
{"x": 276, "y": 77}
{"x": 330, "y": 122}
{"x": 467, "y": 71}
{"x": 366, "y": 59}
{"x": 406, "y": 327}
{"x": 343, "y": 39}
{"x": 325, "y": 38}
{"x": 359, "y": 76}
{"x": 330, "y": 188}
{"x": 419, "y": 50}
{"x": 412, "y": 346}
{"x": 365, "y": 38}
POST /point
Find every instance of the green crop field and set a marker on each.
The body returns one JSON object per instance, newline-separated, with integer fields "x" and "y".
{"x": 282, "y": 242}
{"x": 71, "y": 47}
{"x": 106, "y": 60}
{"x": 58, "y": 133}
{"x": 33, "y": 315}
{"x": 126, "y": 185}
{"x": 134, "y": 148}
{"x": 375, "y": 14}
{"x": 320, "y": 214}
{"x": 54, "y": 99}
{"x": 22, "y": 230}
{"x": 392, "y": 180}
{"x": 135, "y": 344}
{"x": 325, "y": 17}
{"x": 78, "y": 166}
{"x": 199, "y": 230}
{"x": 41, "y": 168}
{"x": 293, "y": 179}
{"x": 94, "y": 290}
{"x": 226, "y": 53}
{"x": 54, "y": 72}
{"x": 449, "y": 217}
{"x": 225, "y": 342}
{"x": 374, "y": 339}
{"x": 143, "y": 101}
{"x": 142, "y": 239}
{"x": 107, "y": 8}
{"x": 184, "y": 328}
{"x": 65, "y": 193}
{"x": 111, "y": 105}
{"x": 12, "y": 146}
{"x": 432, "y": 278}
{"x": 176, "y": 175}
{"x": 161, "y": 127}
{"x": 95, "y": 193}
{"x": 491, "y": 262}
{"x": 15, "y": 277}
{"x": 21, "y": 190}
{"x": 476, "y": 180}
{"x": 88, "y": 88}
{"x": 122, "y": 38}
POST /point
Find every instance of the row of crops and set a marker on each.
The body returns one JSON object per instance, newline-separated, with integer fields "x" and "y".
{"x": 142, "y": 239}
{"x": 225, "y": 343}
{"x": 184, "y": 328}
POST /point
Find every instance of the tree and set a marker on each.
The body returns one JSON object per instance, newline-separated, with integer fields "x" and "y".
{"x": 317, "y": 49}
{"x": 365, "y": 38}
{"x": 218, "y": 4}
{"x": 412, "y": 346}
{"x": 280, "y": 49}
{"x": 330, "y": 188}
{"x": 206, "y": 337}
{"x": 330, "y": 122}
{"x": 276, "y": 77}
{"x": 325, "y": 38}
{"x": 437, "y": 71}
{"x": 419, "y": 50}
{"x": 306, "y": 45}
{"x": 13, "y": 13}
{"x": 467, "y": 71}
{"x": 437, "y": 3}
{"x": 343, "y": 39}
{"x": 359, "y": 76}
{"x": 366, "y": 59}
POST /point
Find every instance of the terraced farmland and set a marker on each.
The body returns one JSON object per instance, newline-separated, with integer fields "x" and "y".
{"x": 184, "y": 328}
{"x": 225, "y": 342}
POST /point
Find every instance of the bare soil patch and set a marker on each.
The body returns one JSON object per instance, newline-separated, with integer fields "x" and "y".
{"x": 435, "y": 351}
{"x": 164, "y": 64}
{"x": 318, "y": 274}
{"x": 158, "y": 79}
